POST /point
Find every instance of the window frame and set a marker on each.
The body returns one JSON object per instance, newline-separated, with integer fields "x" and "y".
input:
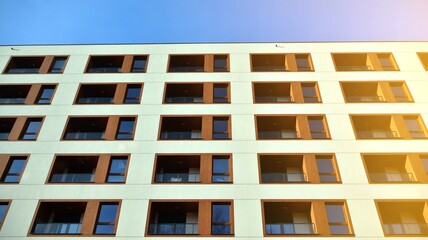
{"x": 8, "y": 203}
{"x": 118, "y": 131}
{"x": 25, "y": 128}
{"x": 229, "y": 127}
{"x": 51, "y": 67}
{"x": 125, "y": 174}
{"x": 115, "y": 223}
{"x": 346, "y": 215}
{"x": 8, "y": 163}
{"x": 231, "y": 217}
{"x": 230, "y": 168}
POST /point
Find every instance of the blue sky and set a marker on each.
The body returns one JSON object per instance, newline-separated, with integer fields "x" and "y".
{"x": 184, "y": 21}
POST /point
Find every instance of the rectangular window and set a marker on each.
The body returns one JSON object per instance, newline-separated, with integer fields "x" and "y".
{"x": 221, "y": 93}
{"x": 387, "y": 62}
{"x": 107, "y": 218}
{"x": 4, "y": 206}
{"x": 310, "y": 94}
{"x": 117, "y": 169}
{"x": 58, "y": 65}
{"x": 221, "y": 128}
{"x": 414, "y": 127}
{"x": 220, "y": 63}
{"x": 303, "y": 62}
{"x": 326, "y": 168}
{"x": 14, "y": 169}
{"x": 424, "y": 160}
{"x": 221, "y": 169}
{"x": 317, "y": 127}
{"x": 32, "y": 128}
{"x": 221, "y": 219}
{"x": 45, "y": 96}
{"x": 398, "y": 90}
{"x": 133, "y": 94}
{"x": 139, "y": 64}
{"x": 337, "y": 218}
{"x": 126, "y": 129}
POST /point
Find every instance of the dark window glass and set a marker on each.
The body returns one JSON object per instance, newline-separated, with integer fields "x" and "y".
{"x": 336, "y": 218}
{"x": 220, "y": 128}
{"x": 3, "y": 209}
{"x": 6, "y": 125}
{"x": 58, "y": 65}
{"x": 316, "y": 125}
{"x": 221, "y": 169}
{"x": 116, "y": 173}
{"x": 220, "y": 93}
{"x": 46, "y": 94}
{"x": 220, "y": 63}
{"x": 133, "y": 93}
{"x": 14, "y": 169}
{"x": 106, "y": 221}
{"x": 220, "y": 218}
{"x": 309, "y": 93}
{"x": 139, "y": 64}
{"x": 326, "y": 169}
{"x": 31, "y": 129}
{"x": 125, "y": 129}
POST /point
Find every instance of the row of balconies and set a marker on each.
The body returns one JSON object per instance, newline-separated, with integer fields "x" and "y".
{"x": 218, "y": 127}
{"x": 277, "y": 62}
{"x": 204, "y": 218}
{"x": 217, "y": 168}
{"x": 208, "y": 92}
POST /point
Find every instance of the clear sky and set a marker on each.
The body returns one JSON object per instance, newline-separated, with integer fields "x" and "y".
{"x": 184, "y": 21}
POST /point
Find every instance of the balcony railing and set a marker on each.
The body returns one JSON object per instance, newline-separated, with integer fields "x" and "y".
{"x": 177, "y": 177}
{"x": 173, "y": 228}
{"x": 378, "y": 134}
{"x": 84, "y": 135}
{"x": 304, "y": 68}
{"x": 23, "y": 70}
{"x": 94, "y": 100}
{"x": 105, "y": 70}
{"x": 57, "y": 228}
{"x": 278, "y": 134}
{"x": 184, "y": 99}
{"x": 269, "y": 68}
{"x": 220, "y": 69}
{"x": 365, "y": 99}
{"x": 187, "y": 69}
{"x": 181, "y": 135}
{"x": 72, "y": 177}
{"x": 283, "y": 177}
{"x": 274, "y": 99}
{"x": 401, "y": 98}
{"x": 290, "y": 228}
{"x": 12, "y": 100}
{"x": 406, "y": 228}
{"x": 392, "y": 177}
{"x": 355, "y": 68}
{"x": 4, "y": 136}
{"x": 311, "y": 99}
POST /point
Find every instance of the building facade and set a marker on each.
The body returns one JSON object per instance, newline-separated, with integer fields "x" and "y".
{"x": 239, "y": 140}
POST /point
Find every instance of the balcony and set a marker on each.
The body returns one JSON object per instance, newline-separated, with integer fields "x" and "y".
{"x": 288, "y": 218}
{"x": 23, "y": 65}
{"x": 74, "y": 169}
{"x": 375, "y": 127}
{"x": 96, "y": 94}
{"x": 198, "y": 63}
{"x": 373, "y": 134}
{"x": 86, "y": 128}
{"x": 281, "y": 62}
{"x": 404, "y": 218}
{"x": 277, "y": 127}
{"x": 282, "y": 169}
{"x": 389, "y": 168}
{"x": 105, "y": 64}
{"x": 364, "y": 62}
{"x": 272, "y": 93}
{"x": 14, "y": 94}
{"x": 6, "y": 125}
{"x": 178, "y": 169}
{"x": 179, "y": 128}
{"x": 59, "y": 218}
{"x": 375, "y": 92}
{"x": 184, "y": 93}
{"x": 173, "y": 218}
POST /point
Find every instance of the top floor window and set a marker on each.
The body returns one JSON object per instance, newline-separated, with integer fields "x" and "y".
{"x": 117, "y": 64}
{"x": 36, "y": 64}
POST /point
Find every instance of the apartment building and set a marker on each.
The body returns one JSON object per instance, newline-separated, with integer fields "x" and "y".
{"x": 210, "y": 141}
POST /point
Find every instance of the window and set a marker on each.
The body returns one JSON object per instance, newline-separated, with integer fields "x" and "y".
{"x": 364, "y": 62}
{"x": 14, "y": 94}
{"x": 58, "y": 65}
{"x": 221, "y": 128}
{"x": 74, "y": 169}
{"x": 310, "y": 93}
{"x": 181, "y": 128}
{"x": 220, "y": 63}
{"x": 14, "y": 169}
{"x": 399, "y": 91}
{"x": 281, "y": 62}
{"x": 221, "y": 219}
{"x": 221, "y": 169}
{"x": 424, "y": 60}
{"x": 414, "y": 127}
{"x": 424, "y": 160}
{"x": 184, "y": 93}
{"x": 46, "y": 93}
{"x": 117, "y": 169}
{"x": 126, "y": 129}
{"x": 107, "y": 218}
{"x": 139, "y": 64}
{"x": 317, "y": 127}
{"x": 32, "y": 128}
{"x": 4, "y": 206}
{"x": 303, "y": 62}
{"x": 337, "y": 219}
{"x": 326, "y": 169}
{"x": 387, "y": 62}
{"x": 133, "y": 94}
{"x": 221, "y": 93}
